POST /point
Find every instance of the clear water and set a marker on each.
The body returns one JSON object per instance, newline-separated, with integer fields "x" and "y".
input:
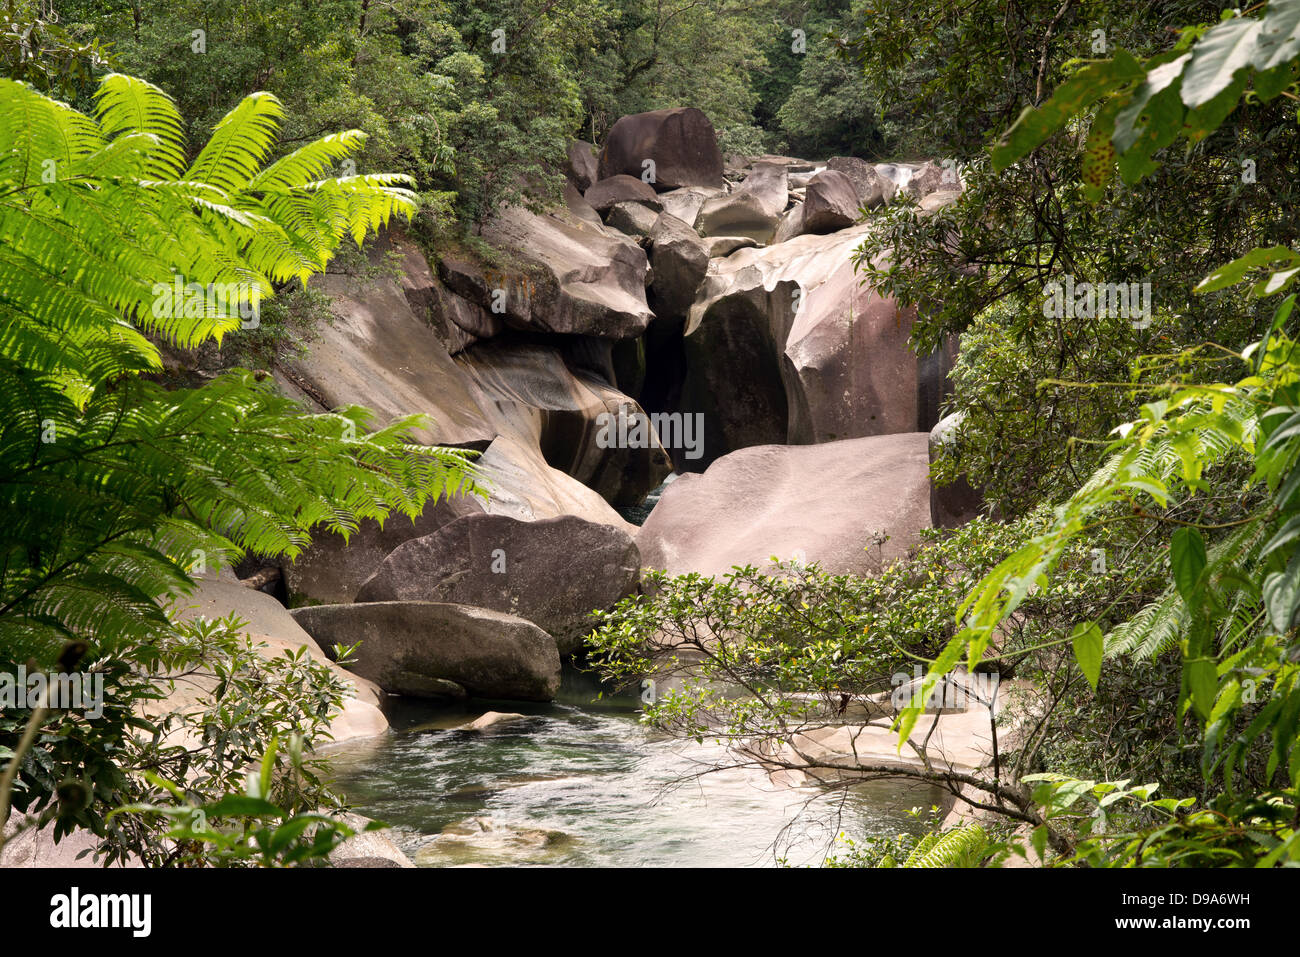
{"x": 637, "y": 514}
{"x": 581, "y": 782}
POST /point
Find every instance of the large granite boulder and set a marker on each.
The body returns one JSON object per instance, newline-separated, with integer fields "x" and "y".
{"x": 791, "y": 224}
{"x": 577, "y": 204}
{"x": 812, "y": 503}
{"x": 377, "y": 353}
{"x": 722, "y": 246}
{"x": 784, "y": 344}
{"x": 930, "y": 178}
{"x": 872, "y": 189}
{"x": 958, "y": 502}
{"x": 544, "y": 398}
{"x": 753, "y": 209}
{"x": 332, "y": 569}
{"x": 680, "y": 142}
{"x": 496, "y": 562}
{"x": 830, "y": 203}
{"x": 414, "y": 647}
{"x": 685, "y": 203}
{"x": 521, "y": 483}
{"x": 558, "y": 273}
{"x": 534, "y": 408}
{"x": 679, "y": 259}
{"x": 457, "y": 322}
{"x": 634, "y": 219}
{"x": 605, "y": 194}
{"x": 570, "y": 277}
{"x": 581, "y": 169}
{"x": 933, "y": 202}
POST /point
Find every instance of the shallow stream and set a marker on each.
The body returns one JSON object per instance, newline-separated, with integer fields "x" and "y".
{"x": 582, "y": 782}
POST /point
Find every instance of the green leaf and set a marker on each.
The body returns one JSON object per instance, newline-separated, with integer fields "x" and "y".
{"x": 1278, "y": 42}
{"x": 1282, "y": 596}
{"x": 1140, "y": 110}
{"x": 1225, "y": 49}
{"x": 1287, "y": 534}
{"x": 1039, "y": 840}
{"x": 238, "y": 805}
{"x": 1187, "y": 557}
{"x": 1087, "y": 640}
{"x": 1235, "y": 271}
{"x": 1202, "y": 683}
{"x": 268, "y": 768}
{"x": 1098, "y": 166}
{"x": 1086, "y": 86}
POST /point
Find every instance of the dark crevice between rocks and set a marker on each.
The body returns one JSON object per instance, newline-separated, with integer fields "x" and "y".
{"x": 743, "y": 399}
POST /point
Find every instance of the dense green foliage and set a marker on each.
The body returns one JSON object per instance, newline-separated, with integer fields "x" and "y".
{"x": 477, "y": 99}
{"x": 118, "y": 493}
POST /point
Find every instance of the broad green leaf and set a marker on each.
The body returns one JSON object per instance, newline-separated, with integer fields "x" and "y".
{"x": 1278, "y": 41}
{"x": 1087, "y": 641}
{"x": 1099, "y": 153}
{"x": 1235, "y": 271}
{"x": 1281, "y": 596}
{"x": 1158, "y": 80}
{"x": 238, "y": 805}
{"x": 1225, "y": 49}
{"x": 1202, "y": 684}
{"x": 1141, "y": 132}
{"x": 1187, "y": 557}
{"x": 1275, "y": 282}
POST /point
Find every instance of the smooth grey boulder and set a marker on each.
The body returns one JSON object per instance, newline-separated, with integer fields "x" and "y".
{"x": 457, "y": 322}
{"x": 722, "y": 246}
{"x": 604, "y": 194}
{"x": 581, "y": 170}
{"x": 933, "y": 202}
{"x": 930, "y": 178}
{"x": 679, "y": 259}
{"x": 567, "y": 276}
{"x": 872, "y": 188}
{"x": 679, "y": 142}
{"x": 791, "y": 225}
{"x": 634, "y": 219}
{"x": 332, "y": 570}
{"x": 822, "y": 503}
{"x": 786, "y": 344}
{"x": 576, "y": 204}
{"x": 830, "y": 203}
{"x": 685, "y": 203}
{"x": 541, "y": 393}
{"x": 375, "y": 351}
{"x": 553, "y": 573}
{"x": 411, "y": 647}
{"x": 753, "y": 209}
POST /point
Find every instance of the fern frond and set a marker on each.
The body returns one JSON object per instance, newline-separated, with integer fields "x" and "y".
{"x": 240, "y": 142}
{"x": 126, "y": 106}
{"x": 961, "y": 847}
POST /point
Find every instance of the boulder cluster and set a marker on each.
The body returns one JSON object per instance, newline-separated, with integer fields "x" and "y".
{"x": 713, "y": 299}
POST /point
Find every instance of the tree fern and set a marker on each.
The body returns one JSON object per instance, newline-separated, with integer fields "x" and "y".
{"x": 960, "y": 847}
{"x": 112, "y": 485}
{"x": 115, "y": 491}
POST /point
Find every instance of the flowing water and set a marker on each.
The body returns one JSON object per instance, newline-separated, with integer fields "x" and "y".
{"x": 581, "y": 782}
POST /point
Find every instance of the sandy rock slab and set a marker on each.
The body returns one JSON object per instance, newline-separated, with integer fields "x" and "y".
{"x": 818, "y": 503}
